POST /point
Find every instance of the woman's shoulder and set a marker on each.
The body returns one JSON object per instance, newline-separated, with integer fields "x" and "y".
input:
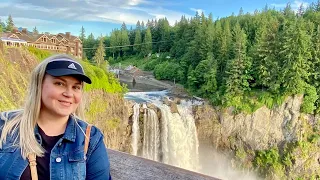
{"x": 95, "y": 131}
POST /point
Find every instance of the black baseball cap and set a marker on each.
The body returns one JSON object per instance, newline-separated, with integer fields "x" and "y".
{"x": 67, "y": 67}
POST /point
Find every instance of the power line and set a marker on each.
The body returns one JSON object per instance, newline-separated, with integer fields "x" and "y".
{"x": 128, "y": 45}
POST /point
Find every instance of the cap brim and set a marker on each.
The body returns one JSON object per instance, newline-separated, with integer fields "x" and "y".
{"x": 69, "y": 72}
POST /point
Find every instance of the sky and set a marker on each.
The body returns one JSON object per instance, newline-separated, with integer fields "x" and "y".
{"x": 101, "y": 16}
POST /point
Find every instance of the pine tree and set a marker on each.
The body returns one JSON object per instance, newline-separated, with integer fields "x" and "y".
{"x": 114, "y": 41}
{"x": 124, "y": 40}
{"x": 210, "y": 85}
{"x": 137, "y": 42}
{"x": 147, "y": 43}
{"x": 100, "y": 54}
{"x": 236, "y": 83}
{"x": 35, "y": 30}
{"x": 265, "y": 66}
{"x": 315, "y": 65}
{"x": 294, "y": 55}
{"x": 224, "y": 51}
{"x": 82, "y": 35}
{"x": 10, "y": 24}
{"x": 138, "y": 26}
{"x": 90, "y": 42}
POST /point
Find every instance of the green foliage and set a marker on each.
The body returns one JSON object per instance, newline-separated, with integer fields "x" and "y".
{"x": 39, "y": 53}
{"x": 113, "y": 123}
{"x": 310, "y": 97}
{"x": 168, "y": 71}
{"x": 147, "y": 43}
{"x": 100, "y": 54}
{"x": 101, "y": 79}
{"x": 151, "y": 64}
{"x": 244, "y": 61}
{"x": 91, "y": 43}
{"x": 10, "y": 24}
{"x": 35, "y": 30}
{"x": 269, "y": 161}
{"x": 82, "y": 35}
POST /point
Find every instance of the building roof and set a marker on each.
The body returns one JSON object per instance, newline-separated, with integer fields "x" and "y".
{"x": 32, "y": 38}
{"x": 12, "y": 40}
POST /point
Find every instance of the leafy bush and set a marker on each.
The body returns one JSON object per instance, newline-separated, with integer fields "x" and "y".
{"x": 310, "y": 97}
{"x": 269, "y": 162}
{"x": 169, "y": 71}
{"x": 150, "y": 65}
{"x": 101, "y": 79}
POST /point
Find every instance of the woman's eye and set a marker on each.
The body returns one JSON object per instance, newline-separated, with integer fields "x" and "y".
{"x": 77, "y": 87}
{"x": 59, "y": 83}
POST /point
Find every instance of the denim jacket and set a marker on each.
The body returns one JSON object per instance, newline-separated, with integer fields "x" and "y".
{"x": 67, "y": 159}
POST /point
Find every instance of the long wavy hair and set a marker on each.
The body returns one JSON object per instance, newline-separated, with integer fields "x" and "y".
{"x": 25, "y": 121}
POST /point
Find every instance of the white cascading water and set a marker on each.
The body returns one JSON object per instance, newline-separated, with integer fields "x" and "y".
{"x": 151, "y": 139}
{"x": 172, "y": 139}
{"x": 180, "y": 144}
{"x": 135, "y": 129}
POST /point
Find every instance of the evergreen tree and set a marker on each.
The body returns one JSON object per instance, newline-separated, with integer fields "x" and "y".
{"x": 82, "y": 35}
{"x": 210, "y": 86}
{"x": 294, "y": 55}
{"x": 35, "y": 30}
{"x": 265, "y": 65}
{"x": 114, "y": 42}
{"x": 10, "y": 24}
{"x": 138, "y": 26}
{"x": 236, "y": 83}
{"x": 100, "y": 54}
{"x": 315, "y": 66}
{"x": 137, "y": 42}
{"x": 224, "y": 39}
{"x": 124, "y": 40}
{"x": 147, "y": 43}
{"x": 90, "y": 42}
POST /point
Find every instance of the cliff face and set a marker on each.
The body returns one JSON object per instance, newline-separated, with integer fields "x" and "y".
{"x": 254, "y": 138}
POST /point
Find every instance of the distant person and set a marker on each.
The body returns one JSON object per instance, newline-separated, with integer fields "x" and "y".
{"x": 47, "y": 139}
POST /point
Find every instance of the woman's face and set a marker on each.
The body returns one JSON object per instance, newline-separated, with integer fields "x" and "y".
{"x": 60, "y": 95}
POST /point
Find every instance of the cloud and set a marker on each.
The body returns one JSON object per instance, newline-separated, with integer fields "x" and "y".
{"x": 29, "y": 22}
{"x": 200, "y": 11}
{"x": 128, "y": 11}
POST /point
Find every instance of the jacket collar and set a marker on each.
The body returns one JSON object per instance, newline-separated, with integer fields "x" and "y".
{"x": 69, "y": 133}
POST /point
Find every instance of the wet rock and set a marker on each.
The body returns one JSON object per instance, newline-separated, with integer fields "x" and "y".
{"x": 174, "y": 108}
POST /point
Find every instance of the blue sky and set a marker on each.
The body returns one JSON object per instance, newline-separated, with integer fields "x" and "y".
{"x": 101, "y": 16}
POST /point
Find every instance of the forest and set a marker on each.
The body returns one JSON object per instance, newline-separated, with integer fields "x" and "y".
{"x": 243, "y": 60}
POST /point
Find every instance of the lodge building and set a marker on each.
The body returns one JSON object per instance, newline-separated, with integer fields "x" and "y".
{"x": 60, "y": 43}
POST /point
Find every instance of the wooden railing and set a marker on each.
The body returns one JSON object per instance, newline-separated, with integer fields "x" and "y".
{"x": 124, "y": 166}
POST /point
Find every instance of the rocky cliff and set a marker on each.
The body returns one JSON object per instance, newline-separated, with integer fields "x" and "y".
{"x": 280, "y": 143}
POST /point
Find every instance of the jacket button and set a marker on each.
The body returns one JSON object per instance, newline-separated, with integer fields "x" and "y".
{"x": 58, "y": 159}
{"x": 59, "y": 144}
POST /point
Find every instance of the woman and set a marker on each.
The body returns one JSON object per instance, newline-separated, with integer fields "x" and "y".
{"x": 49, "y": 129}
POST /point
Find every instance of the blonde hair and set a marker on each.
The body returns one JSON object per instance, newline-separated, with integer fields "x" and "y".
{"x": 26, "y": 120}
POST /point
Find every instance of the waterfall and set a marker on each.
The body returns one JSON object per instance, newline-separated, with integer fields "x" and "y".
{"x": 151, "y": 138}
{"x": 135, "y": 129}
{"x": 180, "y": 144}
{"x": 172, "y": 139}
